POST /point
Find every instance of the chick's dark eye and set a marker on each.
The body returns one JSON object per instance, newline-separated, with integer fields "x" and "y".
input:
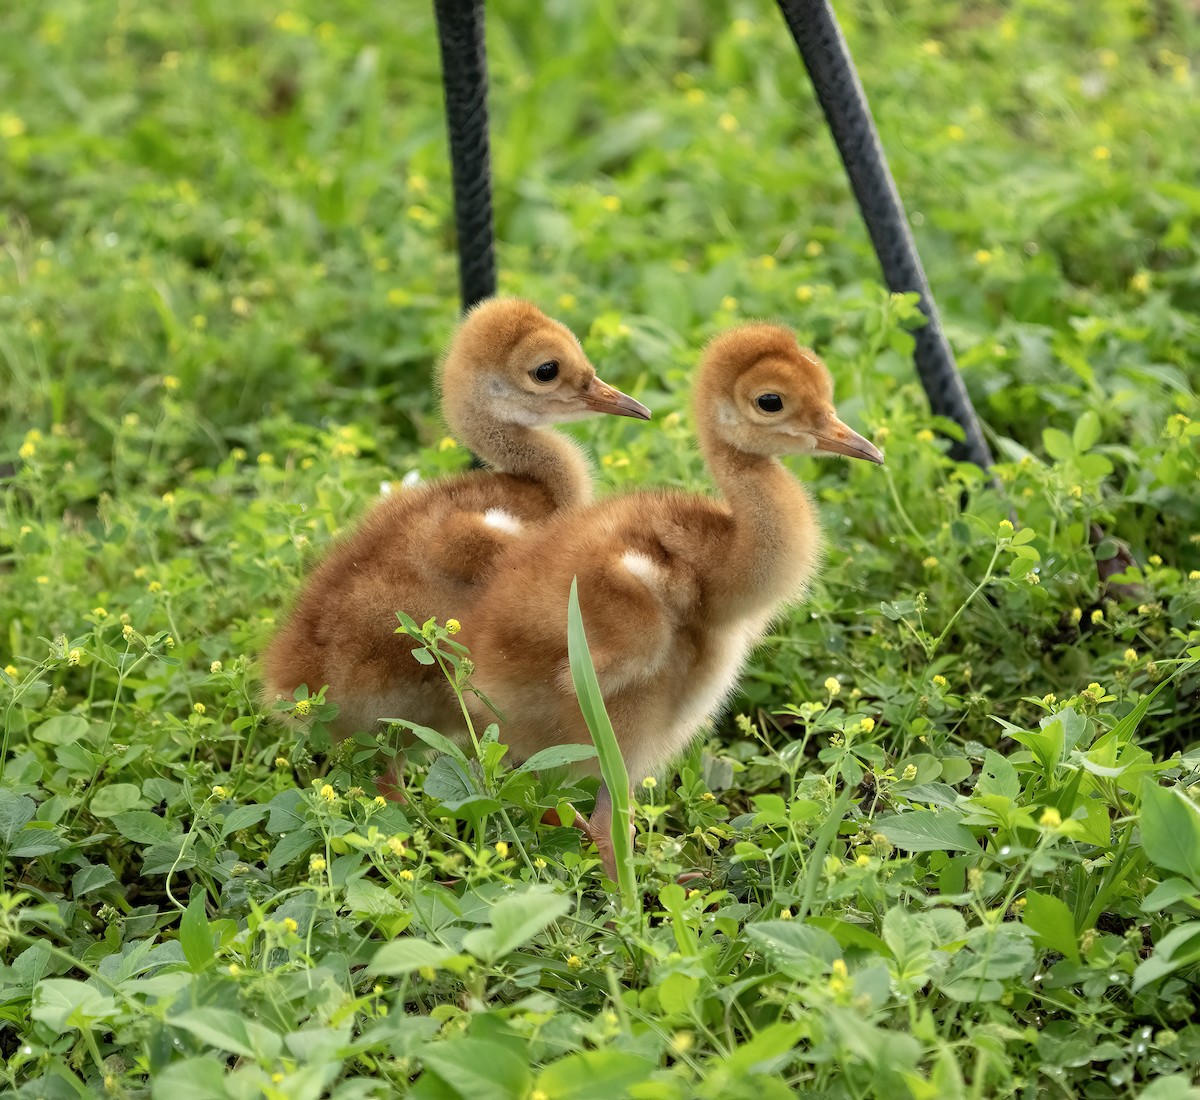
{"x": 770, "y": 402}
{"x": 547, "y": 372}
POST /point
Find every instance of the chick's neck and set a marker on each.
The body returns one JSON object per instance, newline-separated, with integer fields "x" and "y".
{"x": 776, "y": 545}
{"x": 539, "y": 454}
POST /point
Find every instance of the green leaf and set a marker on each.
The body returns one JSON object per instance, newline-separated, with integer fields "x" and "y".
{"x": 92, "y": 877}
{"x": 116, "y": 798}
{"x": 558, "y": 756}
{"x": 477, "y": 1069}
{"x": 1170, "y": 892}
{"x": 1170, "y": 826}
{"x": 1178, "y": 948}
{"x": 998, "y": 776}
{"x": 594, "y": 1075}
{"x": 15, "y": 810}
{"x": 516, "y": 920}
{"x": 1052, "y": 920}
{"x": 928, "y": 831}
{"x": 1057, "y": 444}
{"x": 60, "y": 1003}
{"x": 1086, "y": 433}
{"x": 145, "y": 827}
{"x": 612, "y": 763}
{"x": 433, "y": 739}
{"x": 200, "y": 1078}
{"x": 450, "y": 782}
{"x": 760, "y": 1053}
{"x": 231, "y": 1031}
{"x": 799, "y": 950}
{"x": 195, "y": 934}
{"x": 403, "y": 956}
{"x": 242, "y": 817}
{"x": 63, "y": 729}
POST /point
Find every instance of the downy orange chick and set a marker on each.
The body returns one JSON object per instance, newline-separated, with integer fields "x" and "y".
{"x": 510, "y": 371}
{"x": 674, "y": 588}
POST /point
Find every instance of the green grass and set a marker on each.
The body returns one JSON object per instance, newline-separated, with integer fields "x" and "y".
{"x": 949, "y": 824}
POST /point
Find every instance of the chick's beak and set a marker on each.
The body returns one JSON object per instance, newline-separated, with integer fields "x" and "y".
{"x": 838, "y": 439}
{"x": 601, "y": 397}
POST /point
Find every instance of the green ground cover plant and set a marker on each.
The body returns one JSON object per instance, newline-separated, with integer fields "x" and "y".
{"x": 947, "y": 833}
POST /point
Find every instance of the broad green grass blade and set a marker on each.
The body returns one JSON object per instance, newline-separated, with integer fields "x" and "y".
{"x": 612, "y": 763}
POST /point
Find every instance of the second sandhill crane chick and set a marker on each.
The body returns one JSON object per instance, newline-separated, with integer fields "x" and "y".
{"x": 675, "y": 589}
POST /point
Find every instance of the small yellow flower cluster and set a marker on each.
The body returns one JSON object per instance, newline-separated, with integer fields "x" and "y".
{"x": 567, "y": 301}
{"x": 215, "y": 667}
{"x": 396, "y": 845}
{"x": 941, "y": 681}
{"x": 983, "y": 256}
{"x": 328, "y": 793}
{"x": 199, "y": 708}
{"x": 406, "y": 875}
{"x": 502, "y": 849}
{"x": 574, "y": 962}
{"x": 1005, "y": 528}
{"x": 303, "y": 706}
{"x": 453, "y": 626}
{"x": 74, "y": 657}
{"x": 838, "y": 977}
{"x": 925, "y": 436}
{"x": 1097, "y": 617}
{"x": 219, "y": 792}
{"x": 317, "y": 864}
{"x": 1131, "y": 656}
{"x": 282, "y": 762}
{"x": 1076, "y": 615}
{"x": 804, "y": 293}
{"x": 1050, "y": 819}
{"x": 930, "y": 562}
{"x": 611, "y": 203}
{"x": 909, "y": 773}
{"x": 832, "y": 686}
{"x": 649, "y": 782}
{"x": 289, "y": 923}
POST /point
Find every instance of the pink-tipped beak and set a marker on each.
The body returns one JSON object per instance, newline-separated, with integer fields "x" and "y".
{"x": 602, "y": 398}
{"x": 841, "y": 440}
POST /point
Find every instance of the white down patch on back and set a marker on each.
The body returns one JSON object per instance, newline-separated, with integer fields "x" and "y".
{"x": 502, "y": 521}
{"x": 643, "y": 568}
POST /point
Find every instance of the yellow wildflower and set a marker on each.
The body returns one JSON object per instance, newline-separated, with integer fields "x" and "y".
{"x": 727, "y": 122}
{"x": 12, "y": 671}
{"x": 317, "y": 864}
{"x": 940, "y": 681}
{"x": 406, "y": 875}
{"x": 924, "y": 436}
{"x": 215, "y": 667}
{"x": 983, "y": 256}
{"x": 1140, "y": 283}
{"x": 729, "y": 303}
{"x": 567, "y": 301}
{"x": 955, "y": 133}
{"x": 282, "y": 762}
{"x": 27, "y": 450}
{"x": 1131, "y": 656}
{"x": 453, "y": 626}
{"x": 930, "y": 562}
{"x": 502, "y": 849}
{"x": 328, "y": 793}
{"x": 785, "y": 914}
{"x": 74, "y": 656}
{"x": 804, "y": 293}
{"x": 866, "y": 725}
{"x": 1076, "y": 615}
{"x": 832, "y": 685}
{"x": 303, "y": 706}
{"x": 611, "y": 203}
{"x": 932, "y": 47}
{"x": 199, "y": 708}
{"x": 1101, "y": 152}
{"x": 813, "y": 249}
{"x": 290, "y": 924}
{"x": 574, "y": 962}
{"x": 219, "y": 791}
{"x": 1097, "y": 617}
{"x": 1050, "y": 819}
{"x": 1006, "y": 527}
